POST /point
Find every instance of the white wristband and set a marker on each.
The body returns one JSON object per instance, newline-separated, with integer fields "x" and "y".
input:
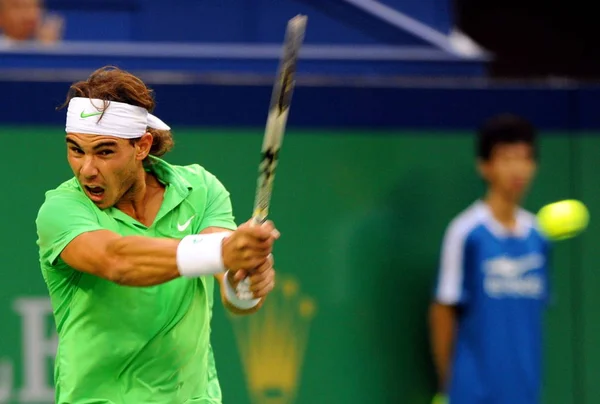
{"x": 230, "y": 294}
{"x": 201, "y": 254}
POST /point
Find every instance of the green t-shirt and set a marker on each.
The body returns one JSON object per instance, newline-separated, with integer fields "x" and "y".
{"x": 128, "y": 345}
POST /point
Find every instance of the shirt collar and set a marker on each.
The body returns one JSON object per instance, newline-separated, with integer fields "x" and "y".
{"x": 168, "y": 176}
{"x": 522, "y": 228}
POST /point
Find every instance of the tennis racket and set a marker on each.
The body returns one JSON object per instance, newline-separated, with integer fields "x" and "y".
{"x": 279, "y": 109}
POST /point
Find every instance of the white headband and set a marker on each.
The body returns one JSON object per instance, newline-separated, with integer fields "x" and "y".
{"x": 118, "y": 119}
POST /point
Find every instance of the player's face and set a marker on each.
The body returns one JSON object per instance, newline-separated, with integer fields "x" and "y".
{"x": 19, "y": 19}
{"x": 510, "y": 169}
{"x": 107, "y": 167}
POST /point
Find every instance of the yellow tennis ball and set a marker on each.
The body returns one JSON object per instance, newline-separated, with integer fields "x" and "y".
{"x": 564, "y": 219}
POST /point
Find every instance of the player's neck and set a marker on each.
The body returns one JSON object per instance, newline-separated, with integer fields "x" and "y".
{"x": 143, "y": 199}
{"x": 503, "y": 209}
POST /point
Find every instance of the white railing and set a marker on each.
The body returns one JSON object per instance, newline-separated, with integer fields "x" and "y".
{"x": 233, "y": 51}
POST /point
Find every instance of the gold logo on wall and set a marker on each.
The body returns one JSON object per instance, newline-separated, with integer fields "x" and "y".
{"x": 272, "y": 343}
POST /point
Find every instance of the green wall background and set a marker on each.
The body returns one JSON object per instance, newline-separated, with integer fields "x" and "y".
{"x": 362, "y": 216}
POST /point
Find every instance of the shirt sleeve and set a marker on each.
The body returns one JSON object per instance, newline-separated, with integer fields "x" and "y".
{"x": 451, "y": 288}
{"x": 61, "y": 218}
{"x": 218, "y": 211}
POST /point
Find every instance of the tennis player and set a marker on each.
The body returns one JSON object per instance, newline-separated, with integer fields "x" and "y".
{"x": 129, "y": 249}
{"x": 486, "y": 320}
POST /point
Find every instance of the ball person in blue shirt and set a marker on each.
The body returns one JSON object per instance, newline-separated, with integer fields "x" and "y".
{"x": 492, "y": 286}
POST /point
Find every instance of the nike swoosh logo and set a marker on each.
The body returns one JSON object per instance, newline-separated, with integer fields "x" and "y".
{"x": 182, "y": 227}
{"x": 84, "y": 115}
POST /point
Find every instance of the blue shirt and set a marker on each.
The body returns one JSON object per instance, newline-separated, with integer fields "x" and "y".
{"x": 499, "y": 281}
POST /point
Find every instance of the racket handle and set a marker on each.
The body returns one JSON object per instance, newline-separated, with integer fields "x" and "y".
{"x": 243, "y": 287}
{"x": 258, "y": 220}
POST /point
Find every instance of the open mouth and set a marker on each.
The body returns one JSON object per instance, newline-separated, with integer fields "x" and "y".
{"x": 95, "y": 193}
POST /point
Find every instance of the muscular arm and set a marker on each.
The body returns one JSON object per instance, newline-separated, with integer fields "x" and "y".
{"x": 129, "y": 260}
{"x": 126, "y": 260}
{"x": 442, "y": 323}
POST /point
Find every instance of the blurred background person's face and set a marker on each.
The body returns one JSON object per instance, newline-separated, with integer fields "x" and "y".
{"x": 20, "y": 19}
{"x": 510, "y": 169}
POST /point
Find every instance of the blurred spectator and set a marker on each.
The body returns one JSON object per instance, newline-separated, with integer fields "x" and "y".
{"x": 26, "y": 20}
{"x": 486, "y": 320}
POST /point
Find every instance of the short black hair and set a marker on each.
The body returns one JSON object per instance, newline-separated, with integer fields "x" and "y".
{"x": 502, "y": 129}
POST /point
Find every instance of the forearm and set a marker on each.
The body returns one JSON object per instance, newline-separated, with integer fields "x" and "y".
{"x": 442, "y": 321}
{"x": 147, "y": 261}
{"x": 143, "y": 261}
